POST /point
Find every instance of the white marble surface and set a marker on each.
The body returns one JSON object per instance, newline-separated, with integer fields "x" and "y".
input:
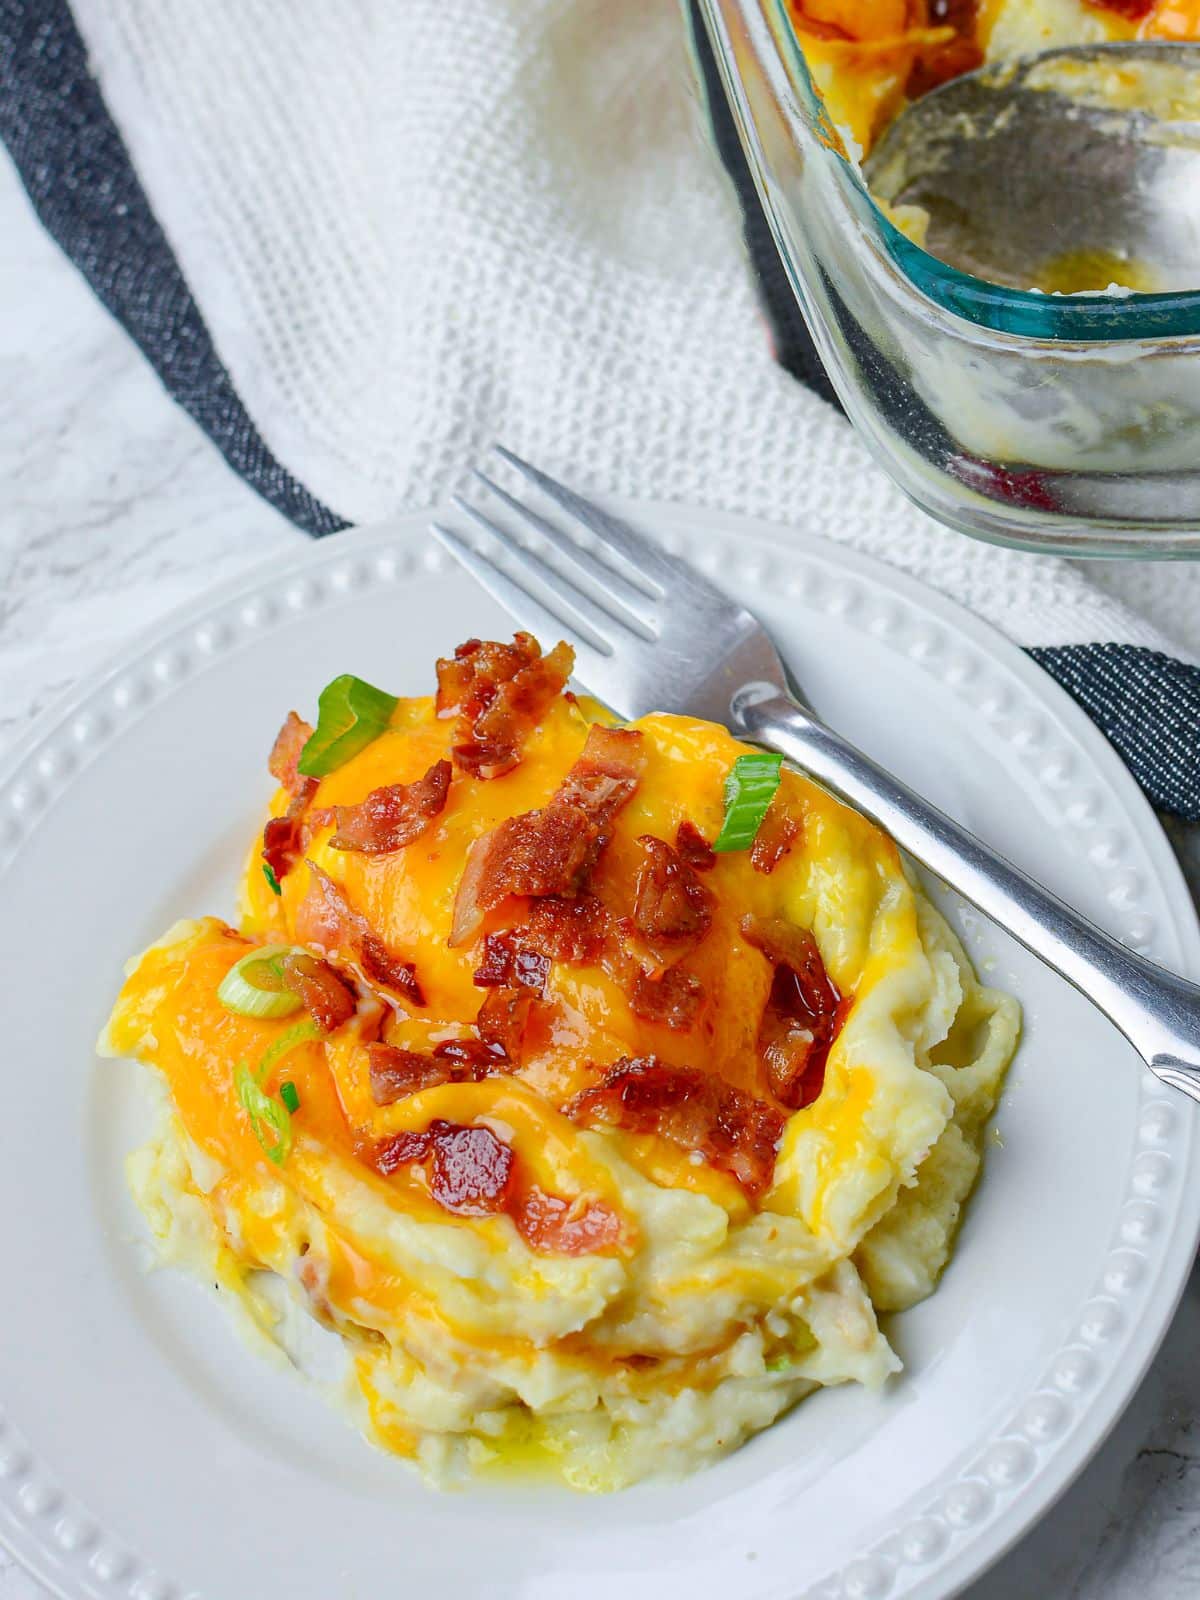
{"x": 114, "y": 508}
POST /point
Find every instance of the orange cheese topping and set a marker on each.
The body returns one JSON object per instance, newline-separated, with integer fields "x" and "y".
{"x": 869, "y": 59}
{"x": 169, "y": 1013}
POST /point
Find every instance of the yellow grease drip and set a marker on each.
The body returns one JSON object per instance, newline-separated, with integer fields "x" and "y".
{"x": 1093, "y": 271}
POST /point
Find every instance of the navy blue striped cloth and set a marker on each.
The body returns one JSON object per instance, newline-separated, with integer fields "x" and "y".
{"x": 78, "y": 174}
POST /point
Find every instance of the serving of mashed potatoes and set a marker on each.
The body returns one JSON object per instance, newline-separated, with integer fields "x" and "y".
{"x": 597, "y": 1146}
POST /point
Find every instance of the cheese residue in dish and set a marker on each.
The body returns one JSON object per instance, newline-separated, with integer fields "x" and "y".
{"x": 641, "y": 1283}
{"x": 869, "y": 60}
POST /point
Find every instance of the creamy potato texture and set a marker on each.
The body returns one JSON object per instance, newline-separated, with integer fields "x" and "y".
{"x": 631, "y": 1298}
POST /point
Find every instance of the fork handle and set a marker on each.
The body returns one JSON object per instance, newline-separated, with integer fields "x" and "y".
{"x": 1157, "y": 1012}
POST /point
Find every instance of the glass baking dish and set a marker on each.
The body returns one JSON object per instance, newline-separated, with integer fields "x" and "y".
{"x": 1067, "y": 425}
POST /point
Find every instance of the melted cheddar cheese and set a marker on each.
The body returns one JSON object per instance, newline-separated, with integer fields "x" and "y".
{"x": 708, "y": 1310}
{"x": 869, "y": 58}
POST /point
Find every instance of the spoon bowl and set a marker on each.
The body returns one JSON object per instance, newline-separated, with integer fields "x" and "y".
{"x": 1074, "y": 170}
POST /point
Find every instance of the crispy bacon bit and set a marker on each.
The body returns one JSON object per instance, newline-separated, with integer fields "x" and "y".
{"x": 383, "y": 967}
{"x": 672, "y": 999}
{"x": 283, "y": 838}
{"x": 399, "y": 1150}
{"x": 499, "y": 692}
{"x": 607, "y": 772}
{"x": 550, "y": 851}
{"x": 788, "y": 945}
{"x": 776, "y": 834}
{"x": 471, "y": 1059}
{"x": 327, "y": 918}
{"x": 470, "y": 1172}
{"x": 285, "y": 754}
{"x": 568, "y": 1228}
{"x": 327, "y": 999}
{"x": 731, "y": 1129}
{"x": 391, "y": 817}
{"x": 693, "y": 848}
{"x": 583, "y": 930}
{"x": 503, "y": 1018}
{"x": 508, "y": 964}
{"x": 1131, "y": 10}
{"x": 671, "y": 907}
{"x": 803, "y": 1015}
{"x": 568, "y": 930}
{"x": 396, "y": 1073}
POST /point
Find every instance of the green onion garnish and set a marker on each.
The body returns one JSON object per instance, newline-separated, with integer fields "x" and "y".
{"x": 289, "y": 1095}
{"x": 295, "y": 1035}
{"x": 351, "y": 715}
{"x": 749, "y": 790}
{"x": 267, "y": 1116}
{"x": 269, "y": 875}
{"x": 253, "y": 986}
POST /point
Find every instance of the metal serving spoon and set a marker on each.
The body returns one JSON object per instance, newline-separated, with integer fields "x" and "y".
{"x": 651, "y": 634}
{"x": 1069, "y": 170}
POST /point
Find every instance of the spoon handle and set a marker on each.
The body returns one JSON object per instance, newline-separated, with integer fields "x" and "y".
{"x": 1157, "y": 1012}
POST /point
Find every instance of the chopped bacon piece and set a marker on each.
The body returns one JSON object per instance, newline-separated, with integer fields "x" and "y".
{"x": 567, "y": 1228}
{"x": 398, "y": 1150}
{"x": 568, "y": 930}
{"x": 776, "y": 834}
{"x": 327, "y": 999}
{"x": 671, "y": 907}
{"x": 673, "y": 999}
{"x": 605, "y": 774}
{"x": 391, "y": 817}
{"x": 692, "y": 847}
{"x": 383, "y": 967}
{"x": 507, "y": 964}
{"x": 788, "y": 945}
{"x": 499, "y": 692}
{"x": 470, "y": 1172}
{"x": 803, "y": 1015}
{"x": 471, "y": 1059}
{"x": 550, "y": 851}
{"x": 583, "y": 930}
{"x": 283, "y": 838}
{"x": 396, "y": 1073}
{"x": 473, "y": 1173}
{"x": 285, "y": 754}
{"x": 731, "y": 1129}
{"x": 938, "y": 64}
{"x": 327, "y": 918}
{"x": 468, "y": 680}
{"x": 1131, "y": 10}
{"x": 503, "y": 1018}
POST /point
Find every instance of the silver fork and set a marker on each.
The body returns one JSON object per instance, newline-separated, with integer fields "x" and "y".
{"x": 651, "y": 634}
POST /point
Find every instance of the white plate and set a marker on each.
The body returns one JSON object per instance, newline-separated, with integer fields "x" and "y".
{"x": 144, "y": 1453}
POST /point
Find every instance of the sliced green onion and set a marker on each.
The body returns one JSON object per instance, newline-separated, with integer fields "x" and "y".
{"x": 269, "y": 875}
{"x": 253, "y": 986}
{"x": 749, "y": 790}
{"x": 289, "y": 1095}
{"x": 286, "y": 1042}
{"x": 351, "y": 715}
{"x": 267, "y": 1116}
